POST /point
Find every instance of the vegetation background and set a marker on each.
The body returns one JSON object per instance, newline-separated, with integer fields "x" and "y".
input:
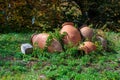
{"x": 21, "y": 15}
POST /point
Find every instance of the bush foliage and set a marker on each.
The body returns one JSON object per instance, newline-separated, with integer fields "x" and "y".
{"x": 43, "y": 15}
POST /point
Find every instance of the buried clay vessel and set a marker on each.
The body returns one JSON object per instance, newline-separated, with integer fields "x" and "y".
{"x": 40, "y": 40}
{"x": 72, "y": 34}
{"x": 87, "y": 47}
{"x": 86, "y": 32}
{"x": 103, "y": 41}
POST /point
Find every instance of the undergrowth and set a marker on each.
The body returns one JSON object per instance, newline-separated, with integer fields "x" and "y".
{"x": 70, "y": 64}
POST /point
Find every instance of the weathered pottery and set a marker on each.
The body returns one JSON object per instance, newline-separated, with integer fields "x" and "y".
{"x": 87, "y": 47}
{"x": 86, "y": 32}
{"x": 40, "y": 40}
{"x": 72, "y": 34}
{"x": 103, "y": 41}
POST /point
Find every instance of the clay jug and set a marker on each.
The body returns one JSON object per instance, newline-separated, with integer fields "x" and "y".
{"x": 86, "y": 32}
{"x": 103, "y": 41}
{"x": 55, "y": 46}
{"x": 72, "y": 34}
{"x": 87, "y": 47}
{"x": 40, "y": 40}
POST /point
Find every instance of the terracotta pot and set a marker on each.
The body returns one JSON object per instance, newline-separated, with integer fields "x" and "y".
{"x": 103, "y": 41}
{"x": 40, "y": 40}
{"x": 72, "y": 34}
{"x": 55, "y": 46}
{"x": 33, "y": 39}
{"x": 88, "y": 47}
{"x": 86, "y": 32}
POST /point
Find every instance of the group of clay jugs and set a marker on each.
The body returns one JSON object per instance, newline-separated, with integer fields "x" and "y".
{"x": 73, "y": 36}
{"x": 76, "y": 36}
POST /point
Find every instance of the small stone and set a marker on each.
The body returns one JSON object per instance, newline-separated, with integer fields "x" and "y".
{"x": 26, "y": 48}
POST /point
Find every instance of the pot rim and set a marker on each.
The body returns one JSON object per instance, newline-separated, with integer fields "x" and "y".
{"x": 67, "y": 23}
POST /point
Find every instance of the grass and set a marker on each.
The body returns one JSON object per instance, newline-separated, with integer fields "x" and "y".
{"x": 67, "y": 65}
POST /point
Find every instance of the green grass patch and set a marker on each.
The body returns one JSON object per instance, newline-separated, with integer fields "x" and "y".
{"x": 67, "y": 65}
